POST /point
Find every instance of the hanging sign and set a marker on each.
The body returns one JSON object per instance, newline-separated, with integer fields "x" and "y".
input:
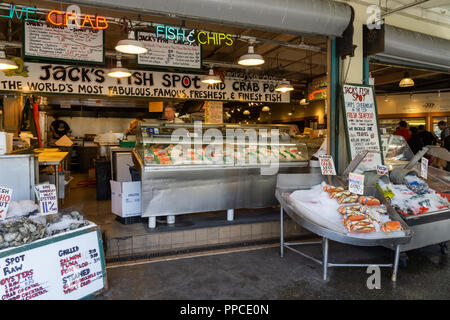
{"x": 356, "y": 183}
{"x": 424, "y": 168}
{"x": 169, "y": 53}
{"x": 64, "y": 79}
{"x": 360, "y": 113}
{"x": 48, "y": 201}
{"x": 65, "y": 267}
{"x": 46, "y": 41}
{"x": 5, "y": 199}
{"x": 327, "y": 165}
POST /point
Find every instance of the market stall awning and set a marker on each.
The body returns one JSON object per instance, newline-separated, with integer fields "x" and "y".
{"x": 413, "y": 49}
{"x": 315, "y": 17}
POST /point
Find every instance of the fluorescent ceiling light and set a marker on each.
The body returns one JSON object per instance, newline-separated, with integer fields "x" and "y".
{"x": 6, "y": 64}
{"x": 284, "y": 86}
{"x": 211, "y": 78}
{"x": 131, "y": 45}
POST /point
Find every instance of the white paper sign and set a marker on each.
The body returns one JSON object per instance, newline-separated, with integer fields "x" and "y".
{"x": 362, "y": 127}
{"x": 327, "y": 165}
{"x": 5, "y": 199}
{"x": 63, "y": 270}
{"x": 168, "y": 53}
{"x": 48, "y": 201}
{"x": 47, "y": 41}
{"x": 356, "y": 183}
{"x": 382, "y": 170}
{"x": 83, "y": 80}
{"x": 424, "y": 168}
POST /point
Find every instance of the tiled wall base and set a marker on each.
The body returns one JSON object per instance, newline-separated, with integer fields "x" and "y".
{"x": 204, "y": 237}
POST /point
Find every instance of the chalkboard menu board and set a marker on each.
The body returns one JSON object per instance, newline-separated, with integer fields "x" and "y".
{"x": 43, "y": 41}
{"x": 64, "y": 267}
{"x": 168, "y": 53}
{"x": 361, "y": 124}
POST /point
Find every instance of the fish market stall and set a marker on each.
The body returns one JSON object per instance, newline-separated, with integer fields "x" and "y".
{"x": 54, "y": 257}
{"x": 184, "y": 169}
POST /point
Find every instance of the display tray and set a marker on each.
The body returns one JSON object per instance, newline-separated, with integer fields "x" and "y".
{"x": 301, "y": 217}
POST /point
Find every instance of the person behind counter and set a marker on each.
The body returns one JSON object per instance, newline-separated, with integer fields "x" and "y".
{"x": 445, "y": 131}
{"x": 403, "y": 131}
{"x": 59, "y": 127}
{"x": 133, "y": 125}
{"x": 415, "y": 142}
{"x": 169, "y": 114}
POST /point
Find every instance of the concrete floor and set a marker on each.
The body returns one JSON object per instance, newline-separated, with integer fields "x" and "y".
{"x": 262, "y": 274}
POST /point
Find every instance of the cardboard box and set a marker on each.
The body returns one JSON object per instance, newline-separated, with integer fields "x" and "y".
{"x": 126, "y": 198}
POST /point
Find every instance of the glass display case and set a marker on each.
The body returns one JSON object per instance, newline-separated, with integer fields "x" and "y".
{"x": 396, "y": 151}
{"x": 181, "y": 145}
{"x": 187, "y": 168}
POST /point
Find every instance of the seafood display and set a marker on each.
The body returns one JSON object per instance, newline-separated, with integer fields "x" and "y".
{"x": 361, "y": 214}
{"x": 19, "y": 231}
{"x": 408, "y": 202}
{"x": 158, "y": 154}
{"x": 391, "y": 226}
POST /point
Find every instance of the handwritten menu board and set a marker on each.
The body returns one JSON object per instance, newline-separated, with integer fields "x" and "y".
{"x": 360, "y": 115}
{"x": 167, "y": 53}
{"x": 60, "y": 43}
{"x": 64, "y": 270}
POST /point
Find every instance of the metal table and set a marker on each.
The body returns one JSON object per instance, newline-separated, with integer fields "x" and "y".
{"x": 53, "y": 159}
{"x": 287, "y": 183}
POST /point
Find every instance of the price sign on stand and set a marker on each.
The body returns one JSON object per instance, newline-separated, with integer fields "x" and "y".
{"x": 382, "y": 170}
{"x": 327, "y": 165}
{"x": 48, "y": 200}
{"x": 424, "y": 168}
{"x": 5, "y": 199}
{"x": 356, "y": 183}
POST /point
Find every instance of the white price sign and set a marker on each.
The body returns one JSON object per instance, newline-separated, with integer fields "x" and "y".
{"x": 382, "y": 170}
{"x": 424, "y": 168}
{"x": 356, "y": 183}
{"x": 327, "y": 165}
{"x": 5, "y": 199}
{"x": 48, "y": 201}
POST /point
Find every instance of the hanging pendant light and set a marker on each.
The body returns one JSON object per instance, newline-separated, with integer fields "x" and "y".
{"x": 407, "y": 81}
{"x": 303, "y": 102}
{"x": 6, "y": 64}
{"x": 131, "y": 45}
{"x": 118, "y": 71}
{"x": 251, "y": 58}
{"x": 265, "y": 108}
{"x": 246, "y": 112}
{"x": 284, "y": 86}
{"x": 211, "y": 78}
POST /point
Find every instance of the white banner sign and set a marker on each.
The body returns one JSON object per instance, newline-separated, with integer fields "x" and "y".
{"x": 42, "y": 40}
{"x": 168, "y": 53}
{"x": 48, "y": 201}
{"x": 362, "y": 127}
{"x": 5, "y": 199}
{"x": 63, "y": 79}
{"x": 64, "y": 270}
